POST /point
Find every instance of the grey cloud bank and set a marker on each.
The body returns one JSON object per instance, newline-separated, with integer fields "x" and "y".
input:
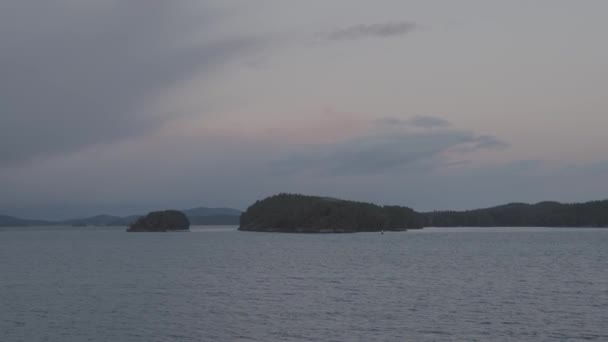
{"x": 78, "y": 73}
{"x": 423, "y": 121}
{"x": 428, "y": 122}
{"x": 381, "y": 30}
{"x": 387, "y": 150}
{"x": 385, "y": 167}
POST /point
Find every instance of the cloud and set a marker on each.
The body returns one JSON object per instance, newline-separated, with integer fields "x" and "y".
{"x": 421, "y": 121}
{"x": 489, "y": 142}
{"x": 428, "y": 122}
{"x": 382, "y": 30}
{"x": 387, "y": 151}
{"x": 78, "y": 73}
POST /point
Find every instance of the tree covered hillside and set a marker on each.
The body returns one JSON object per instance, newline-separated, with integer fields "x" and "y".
{"x": 544, "y": 214}
{"x": 310, "y": 214}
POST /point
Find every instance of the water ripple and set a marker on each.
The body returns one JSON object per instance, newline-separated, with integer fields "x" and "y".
{"x": 221, "y": 285}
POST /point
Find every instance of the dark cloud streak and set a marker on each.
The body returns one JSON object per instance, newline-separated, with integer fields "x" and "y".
{"x": 381, "y": 30}
{"x": 489, "y": 142}
{"x": 421, "y": 121}
{"x": 428, "y": 122}
{"x": 386, "y": 151}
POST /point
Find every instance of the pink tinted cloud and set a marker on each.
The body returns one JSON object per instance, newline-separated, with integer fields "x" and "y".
{"x": 329, "y": 126}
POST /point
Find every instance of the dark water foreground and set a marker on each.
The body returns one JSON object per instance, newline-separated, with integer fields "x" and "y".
{"x": 222, "y": 285}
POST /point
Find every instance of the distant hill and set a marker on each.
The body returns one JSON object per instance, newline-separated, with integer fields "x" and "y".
{"x": 203, "y": 211}
{"x": 198, "y": 216}
{"x": 101, "y": 220}
{"x": 543, "y": 214}
{"x": 10, "y": 221}
{"x": 215, "y": 220}
{"x": 203, "y": 216}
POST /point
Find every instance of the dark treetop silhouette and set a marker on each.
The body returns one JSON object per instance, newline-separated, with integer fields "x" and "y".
{"x": 544, "y": 214}
{"x": 293, "y": 213}
{"x": 309, "y": 214}
{"x": 161, "y": 221}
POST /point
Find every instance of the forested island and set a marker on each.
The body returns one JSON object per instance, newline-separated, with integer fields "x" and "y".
{"x": 543, "y": 214}
{"x": 161, "y": 221}
{"x": 311, "y": 214}
{"x": 314, "y": 214}
{"x": 292, "y": 213}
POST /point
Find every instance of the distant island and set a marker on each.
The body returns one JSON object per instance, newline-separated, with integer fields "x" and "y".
{"x": 311, "y": 214}
{"x": 293, "y": 213}
{"x": 201, "y": 216}
{"x": 543, "y": 214}
{"x": 11, "y": 221}
{"x": 161, "y": 221}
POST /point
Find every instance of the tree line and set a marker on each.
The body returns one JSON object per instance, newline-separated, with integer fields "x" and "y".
{"x": 311, "y": 214}
{"x": 544, "y": 214}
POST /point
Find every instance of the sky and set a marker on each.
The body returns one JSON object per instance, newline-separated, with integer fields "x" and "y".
{"x": 127, "y": 106}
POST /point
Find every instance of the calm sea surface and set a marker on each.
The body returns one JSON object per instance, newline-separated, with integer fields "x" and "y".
{"x": 217, "y": 284}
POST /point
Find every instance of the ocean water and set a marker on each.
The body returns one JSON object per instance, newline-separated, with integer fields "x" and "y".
{"x": 218, "y": 284}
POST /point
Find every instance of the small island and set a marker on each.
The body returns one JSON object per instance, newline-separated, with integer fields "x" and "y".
{"x": 161, "y": 221}
{"x": 293, "y": 213}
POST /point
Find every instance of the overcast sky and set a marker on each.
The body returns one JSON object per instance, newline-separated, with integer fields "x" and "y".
{"x": 125, "y": 106}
